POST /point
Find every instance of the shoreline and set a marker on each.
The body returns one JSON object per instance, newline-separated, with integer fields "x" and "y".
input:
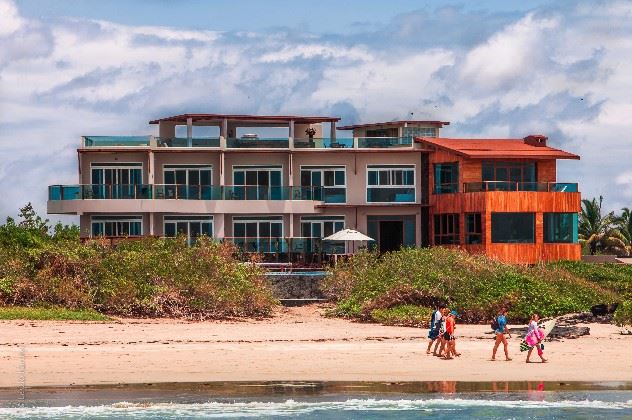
{"x": 297, "y": 344}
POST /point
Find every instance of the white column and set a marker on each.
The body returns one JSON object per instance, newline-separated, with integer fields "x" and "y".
{"x": 291, "y": 233}
{"x": 222, "y": 169}
{"x": 189, "y": 131}
{"x": 290, "y": 170}
{"x": 223, "y": 133}
{"x": 150, "y": 168}
{"x": 151, "y": 224}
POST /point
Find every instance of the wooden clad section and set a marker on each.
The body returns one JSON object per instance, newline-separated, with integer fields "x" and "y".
{"x": 529, "y": 201}
{"x": 533, "y": 253}
{"x": 547, "y": 171}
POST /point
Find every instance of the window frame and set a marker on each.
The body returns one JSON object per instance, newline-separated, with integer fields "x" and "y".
{"x": 456, "y": 184}
{"x": 127, "y": 218}
{"x": 390, "y": 170}
{"x": 518, "y": 242}
{"x": 440, "y": 234}
{"x": 188, "y": 219}
{"x": 574, "y": 226}
{"x": 475, "y": 233}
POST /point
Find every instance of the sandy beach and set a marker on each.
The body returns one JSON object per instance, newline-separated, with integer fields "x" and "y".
{"x": 296, "y": 344}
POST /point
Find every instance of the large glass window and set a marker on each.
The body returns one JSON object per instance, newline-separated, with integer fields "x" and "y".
{"x": 190, "y": 226}
{"x": 314, "y": 228}
{"x": 259, "y": 234}
{"x": 390, "y": 184}
{"x": 560, "y": 228}
{"x": 473, "y": 229}
{"x": 419, "y": 132}
{"x": 329, "y": 182}
{"x": 446, "y": 178}
{"x": 446, "y": 229}
{"x": 112, "y": 226}
{"x": 507, "y": 175}
{"x": 115, "y": 180}
{"x": 256, "y": 183}
{"x": 191, "y": 182}
{"x": 513, "y": 227}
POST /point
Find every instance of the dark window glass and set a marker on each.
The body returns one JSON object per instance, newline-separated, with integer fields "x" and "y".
{"x": 446, "y": 229}
{"x": 372, "y": 177}
{"x": 446, "y": 178}
{"x": 276, "y": 229}
{"x": 513, "y": 227}
{"x": 306, "y": 178}
{"x": 473, "y": 230}
{"x": 181, "y": 177}
{"x": 239, "y": 178}
{"x": 251, "y": 230}
{"x": 340, "y": 177}
{"x": 205, "y": 177}
{"x": 240, "y": 230}
{"x": 560, "y": 228}
{"x": 194, "y": 177}
{"x": 207, "y": 229}
{"x": 329, "y": 178}
{"x": 306, "y": 230}
{"x": 170, "y": 229}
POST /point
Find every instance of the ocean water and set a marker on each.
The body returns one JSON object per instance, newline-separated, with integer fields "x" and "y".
{"x": 485, "y": 405}
{"x": 324, "y": 400}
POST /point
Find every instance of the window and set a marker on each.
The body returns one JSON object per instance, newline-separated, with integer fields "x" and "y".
{"x": 419, "y": 132}
{"x": 473, "y": 229}
{"x": 446, "y": 229}
{"x": 513, "y": 228}
{"x": 446, "y": 178}
{"x": 506, "y": 175}
{"x": 560, "y": 228}
{"x": 390, "y": 184}
{"x": 259, "y": 234}
{"x": 115, "y": 180}
{"x": 116, "y": 225}
{"x": 190, "y": 226}
{"x": 191, "y": 182}
{"x": 257, "y": 183}
{"x": 313, "y": 228}
{"x": 330, "y": 183}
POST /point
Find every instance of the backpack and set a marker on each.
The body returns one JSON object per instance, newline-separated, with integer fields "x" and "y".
{"x": 494, "y": 324}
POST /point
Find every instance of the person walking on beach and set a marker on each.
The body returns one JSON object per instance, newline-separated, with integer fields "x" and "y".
{"x": 500, "y": 331}
{"x": 442, "y": 340}
{"x": 450, "y": 325}
{"x": 435, "y": 328}
{"x": 534, "y": 338}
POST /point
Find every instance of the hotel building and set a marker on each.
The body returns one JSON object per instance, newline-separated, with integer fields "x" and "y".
{"x": 399, "y": 182}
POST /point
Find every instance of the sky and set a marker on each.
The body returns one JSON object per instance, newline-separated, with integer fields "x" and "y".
{"x": 492, "y": 68}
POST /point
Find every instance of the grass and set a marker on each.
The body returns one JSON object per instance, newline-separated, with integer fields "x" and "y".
{"x": 49, "y": 314}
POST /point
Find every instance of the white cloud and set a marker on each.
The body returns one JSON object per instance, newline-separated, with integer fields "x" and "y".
{"x": 565, "y": 72}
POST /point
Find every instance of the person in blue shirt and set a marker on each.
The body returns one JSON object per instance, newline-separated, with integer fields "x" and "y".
{"x": 501, "y": 332}
{"x": 435, "y": 328}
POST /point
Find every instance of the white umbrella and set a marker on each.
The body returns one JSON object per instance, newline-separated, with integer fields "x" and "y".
{"x": 348, "y": 235}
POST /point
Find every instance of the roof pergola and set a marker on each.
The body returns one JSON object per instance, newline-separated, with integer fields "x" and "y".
{"x": 250, "y": 120}
{"x": 398, "y": 123}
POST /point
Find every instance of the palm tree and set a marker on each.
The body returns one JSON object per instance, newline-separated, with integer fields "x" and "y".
{"x": 624, "y": 225}
{"x": 598, "y": 231}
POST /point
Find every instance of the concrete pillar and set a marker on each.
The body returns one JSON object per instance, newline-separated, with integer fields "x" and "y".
{"x": 291, "y": 232}
{"x": 150, "y": 168}
{"x": 151, "y": 224}
{"x": 222, "y": 163}
{"x": 290, "y": 170}
{"x": 223, "y": 133}
{"x": 189, "y": 132}
{"x": 218, "y": 225}
{"x": 332, "y": 131}
{"x": 291, "y": 139}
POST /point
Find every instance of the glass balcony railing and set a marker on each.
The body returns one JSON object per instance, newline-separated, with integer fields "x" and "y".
{"x": 100, "y": 192}
{"x": 308, "y": 245}
{"x": 323, "y": 143}
{"x": 183, "y": 192}
{"x": 187, "y": 192}
{"x": 258, "y": 143}
{"x": 390, "y": 195}
{"x": 107, "y": 141}
{"x": 184, "y": 142}
{"x": 260, "y": 192}
{"x": 519, "y": 186}
{"x": 327, "y": 194}
{"x": 384, "y": 142}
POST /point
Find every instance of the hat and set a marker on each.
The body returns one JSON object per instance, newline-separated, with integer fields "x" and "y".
{"x": 455, "y": 313}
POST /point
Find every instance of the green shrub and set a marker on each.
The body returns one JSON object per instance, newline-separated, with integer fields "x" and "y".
{"x": 403, "y": 315}
{"x": 474, "y": 285}
{"x": 623, "y": 315}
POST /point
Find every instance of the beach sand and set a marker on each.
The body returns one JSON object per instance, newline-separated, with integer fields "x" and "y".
{"x": 296, "y": 344}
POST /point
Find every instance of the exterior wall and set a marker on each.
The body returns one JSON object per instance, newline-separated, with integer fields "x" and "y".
{"x": 87, "y": 158}
{"x": 181, "y": 158}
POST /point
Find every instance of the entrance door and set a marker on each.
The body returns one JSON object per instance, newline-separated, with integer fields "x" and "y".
{"x": 391, "y": 235}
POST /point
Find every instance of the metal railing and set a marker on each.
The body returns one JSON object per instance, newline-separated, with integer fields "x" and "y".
{"x": 184, "y": 142}
{"x": 258, "y": 143}
{"x": 112, "y": 141}
{"x": 520, "y": 186}
{"x": 100, "y": 192}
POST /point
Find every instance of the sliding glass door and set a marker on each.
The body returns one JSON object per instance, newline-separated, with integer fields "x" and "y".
{"x": 115, "y": 180}
{"x": 257, "y": 183}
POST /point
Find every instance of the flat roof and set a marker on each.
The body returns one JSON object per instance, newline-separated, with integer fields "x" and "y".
{"x": 251, "y": 118}
{"x": 495, "y": 148}
{"x": 393, "y": 123}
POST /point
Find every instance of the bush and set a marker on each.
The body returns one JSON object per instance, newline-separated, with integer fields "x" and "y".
{"x": 474, "y": 285}
{"x": 623, "y": 315}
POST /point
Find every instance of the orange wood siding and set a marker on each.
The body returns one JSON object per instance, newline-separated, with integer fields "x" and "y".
{"x": 547, "y": 171}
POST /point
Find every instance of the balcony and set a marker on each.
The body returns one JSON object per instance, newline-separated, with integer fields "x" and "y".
{"x": 114, "y": 141}
{"x": 258, "y": 143}
{"x": 298, "y": 245}
{"x": 323, "y": 143}
{"x": 390, "y": 195}
{"x": 485, "y": 186}
{"x": 384, "y": 142}
{"x": 185, "y": 142}
{"x": 187, "y": 192}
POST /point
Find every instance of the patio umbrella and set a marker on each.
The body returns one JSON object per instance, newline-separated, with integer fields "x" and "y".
{"x": 348, "y": 235}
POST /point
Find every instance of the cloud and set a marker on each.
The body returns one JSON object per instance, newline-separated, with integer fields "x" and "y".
{"x": 562, "y": 70}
